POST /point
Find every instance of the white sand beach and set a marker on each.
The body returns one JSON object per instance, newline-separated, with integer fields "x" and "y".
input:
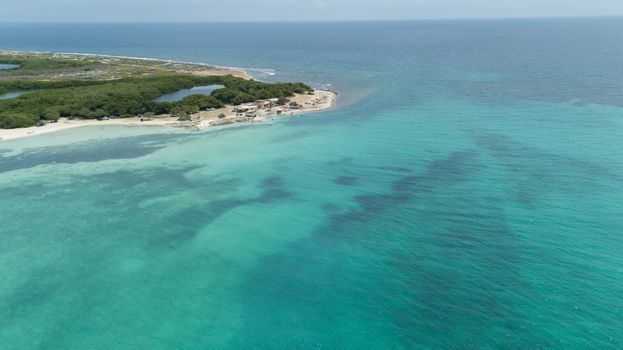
{"x": 320, "y": 100}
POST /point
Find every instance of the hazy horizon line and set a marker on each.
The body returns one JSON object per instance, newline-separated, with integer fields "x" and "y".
{"x": 324, "y": 21}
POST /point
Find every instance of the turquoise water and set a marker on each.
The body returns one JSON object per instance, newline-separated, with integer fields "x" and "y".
{"x": 180, "y": 94}
{"x": 466, "y": 193}
{"x": 8, "y": 66}
{"x": 9, "y": 95}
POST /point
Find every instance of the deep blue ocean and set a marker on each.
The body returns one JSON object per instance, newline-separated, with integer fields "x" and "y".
{"x": 466, "y": 193}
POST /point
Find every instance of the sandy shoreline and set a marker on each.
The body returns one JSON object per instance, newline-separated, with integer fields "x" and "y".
{"x": 321, "y": 100}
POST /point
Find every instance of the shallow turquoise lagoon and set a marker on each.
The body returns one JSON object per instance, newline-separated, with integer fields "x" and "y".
{"x": 10, "y": 95}
{"x": 180, "y": 94}
{"x": 466, "y": 193}
{"x": 8, "y": 66}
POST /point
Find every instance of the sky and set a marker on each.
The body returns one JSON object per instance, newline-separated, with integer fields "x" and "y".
{"x": 293, "y": 10}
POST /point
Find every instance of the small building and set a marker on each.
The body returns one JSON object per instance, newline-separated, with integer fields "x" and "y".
{"x": 263, "y": 103}
{"x": 242, "y": 119}
{"x": 245, "y": 108}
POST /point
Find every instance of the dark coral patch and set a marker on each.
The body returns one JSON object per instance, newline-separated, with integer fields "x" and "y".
{"x": 346, "y": 180}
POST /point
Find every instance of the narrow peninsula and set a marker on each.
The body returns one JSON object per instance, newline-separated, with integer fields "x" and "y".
{"x": 46, "y": 92}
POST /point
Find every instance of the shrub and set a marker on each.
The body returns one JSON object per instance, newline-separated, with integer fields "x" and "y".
{"x": 128, "y": 96}
{"x": 14, "y": 121}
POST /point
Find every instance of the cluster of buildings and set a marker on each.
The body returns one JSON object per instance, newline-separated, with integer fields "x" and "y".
{"x": 262, "y": 108}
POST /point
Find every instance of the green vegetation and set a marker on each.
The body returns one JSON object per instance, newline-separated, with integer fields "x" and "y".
{"x": 123, "y": 97}
{"x": 30, "y": 64}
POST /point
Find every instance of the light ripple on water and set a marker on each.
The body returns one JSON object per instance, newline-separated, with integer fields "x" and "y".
{"x": 461, "y": 204}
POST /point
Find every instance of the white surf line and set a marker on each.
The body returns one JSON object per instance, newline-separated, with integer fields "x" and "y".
{"x": 266, "y": 71}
